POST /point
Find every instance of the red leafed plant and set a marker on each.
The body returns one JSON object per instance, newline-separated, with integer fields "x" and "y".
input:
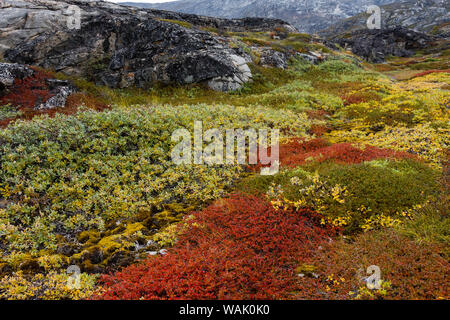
{"x": 298, "y": 152}
{"x": 28, "y": 92}
{"x": 414, "y": 269}
{"x": 237, "y": 248}
{"x": 421, "y": 74}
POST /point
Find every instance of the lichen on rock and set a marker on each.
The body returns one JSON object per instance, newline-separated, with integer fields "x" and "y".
{"x": 136, "y": 47}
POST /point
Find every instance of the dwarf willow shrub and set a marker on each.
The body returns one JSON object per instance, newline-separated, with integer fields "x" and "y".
{"x": 8, "y": 112}
{"x": 299, "y": 66}
{"x": 52, "y": 286}
{"x": 73, "y": 173}
{"x": 298, "y": 96}
{"x": 400, "y": 107}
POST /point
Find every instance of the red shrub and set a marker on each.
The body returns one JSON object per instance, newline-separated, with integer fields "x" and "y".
{"x": 319, "y": 130}
{"x": 238, "y": 248}
{"x": 352, "y": 99}
{"x": 421, "y": 74}
{"x": 28, "y": 92}
{"x": 359, "y": 97}
{"x": 298, "y": 152}
{"x": 77, "y": 99}
{"x": 345, "y": 153}
{"x": 316, "y": 114}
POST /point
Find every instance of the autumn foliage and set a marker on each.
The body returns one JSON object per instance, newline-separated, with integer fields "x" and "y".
{"x": 298, "y": 152}
{"x": 28, "y": 92}
{"x": 414, "y": 270}
{"x": 237, "y": 248}
{"x": 424, "y": 73}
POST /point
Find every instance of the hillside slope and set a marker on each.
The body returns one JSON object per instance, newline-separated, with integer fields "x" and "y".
{"x": 121, "y": 46}
{"x": 308, "y": 16}
{"x": 430, "y": 16}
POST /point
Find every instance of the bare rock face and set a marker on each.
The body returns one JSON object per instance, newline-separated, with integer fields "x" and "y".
{"x": 235, "y": 83}
{"x": 307, "y": 16}
{"x": 376, "y": 45}
{"x": 9, "y": 72}
{"x": 246, "y": 23}
{"x": 60, "y": 91}
{"x": 427, "y": 16}
{"x": 121, "y": 46}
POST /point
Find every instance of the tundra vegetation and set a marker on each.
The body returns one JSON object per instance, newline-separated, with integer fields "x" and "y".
{"x": 364, "y": 181}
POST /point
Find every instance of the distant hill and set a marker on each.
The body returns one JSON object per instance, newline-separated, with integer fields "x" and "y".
{"x": 308, "y": 16}
{"x": 430, "y": 16}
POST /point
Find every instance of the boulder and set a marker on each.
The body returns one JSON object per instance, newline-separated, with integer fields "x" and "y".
{"x": 116, "y": 46}
{"x": 273, "y": 58}
{"x": 376, "y": 45}
{"x": 232, "y": 83}
{"x": 60, "y": 91}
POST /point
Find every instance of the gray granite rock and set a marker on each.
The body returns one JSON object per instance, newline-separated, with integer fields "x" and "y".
{"x": 60, "y": 90}
{"x": 121, "y": 46}
{"x": 9, "y": 72}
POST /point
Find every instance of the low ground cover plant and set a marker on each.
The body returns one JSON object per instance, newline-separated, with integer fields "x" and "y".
{"x": 363, "y": 181}
{"x": 64, "y": 175}
{"x": 237, "y": 248}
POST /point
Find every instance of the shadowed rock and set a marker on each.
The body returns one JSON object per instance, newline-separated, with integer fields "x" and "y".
{"x": 120, "y": 46}
{"x": 11, "y": 73}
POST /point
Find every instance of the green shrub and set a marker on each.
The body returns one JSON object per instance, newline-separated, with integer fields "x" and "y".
{"x": 73, "y": 173}
{"x": 358, "y": 196}
{"x": 337, "y": 67}
{"x": 430, "y": 223}
{"x": 8, "y": 112}
{"x": 384, "y": 186}
{"x": 183, "y": 24}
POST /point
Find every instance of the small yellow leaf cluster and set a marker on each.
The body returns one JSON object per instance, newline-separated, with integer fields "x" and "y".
{"x": 380, "y": 220}
{"x": 52, "y": 286}
{"x": 364, "y": 293}
{"x": 333, "y": 282}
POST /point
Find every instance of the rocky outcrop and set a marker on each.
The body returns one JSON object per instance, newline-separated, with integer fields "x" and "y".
{"x": 428, "y": 16}
{"x": 121, "y": 46}
{"x": 271, "y": 58}
{"x": 13, "y": 82}
{"x": 60, "y": 91}
{"x": 231, "y": 84}
{"x": 9, "y": 72}
{"x": 327, "y": 17}
{"x": 376, "y": 45}
{"x": 308, "y": 16}
{"x": 252, "y": 24}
